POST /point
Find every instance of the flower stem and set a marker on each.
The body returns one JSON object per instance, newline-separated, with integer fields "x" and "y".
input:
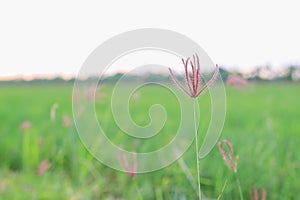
{"x": 138, "y": 191}
{"x": 188, "y": 174}
{"x": 222, "y": 191}
{"x": 197, "y": 149}
{"x": 239, "y": 186}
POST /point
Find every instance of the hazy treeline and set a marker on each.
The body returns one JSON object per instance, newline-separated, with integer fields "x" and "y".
{"x": 265, "y": 73}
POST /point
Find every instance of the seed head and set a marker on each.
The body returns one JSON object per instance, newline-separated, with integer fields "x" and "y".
{"x": 124, "y": 163}
{"x": 43, "y": 167}
{"x": 253, "y": 193}
{"x": 229, "y": 159}
{"x": 194, "y": 81}
{"x": 25, "y": 126}
{"x": 66, "y": 121}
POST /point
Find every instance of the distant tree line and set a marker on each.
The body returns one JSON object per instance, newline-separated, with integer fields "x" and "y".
{"x": 264, "y": 73}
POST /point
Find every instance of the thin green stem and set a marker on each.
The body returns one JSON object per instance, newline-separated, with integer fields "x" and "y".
{"x": 222, "y": 191}
{"x": 137, "y": 189}
{"x": 158, "y": 193}
{"x": 239, "y": 185}
{"x": 197, "y": 149}
{"x": 188, "y": 174}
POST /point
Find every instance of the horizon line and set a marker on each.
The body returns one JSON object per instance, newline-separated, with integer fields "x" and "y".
{"x": 65, "y": 76}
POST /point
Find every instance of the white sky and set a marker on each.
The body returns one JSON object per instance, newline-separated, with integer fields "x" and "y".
{"x": 57, "y": 36}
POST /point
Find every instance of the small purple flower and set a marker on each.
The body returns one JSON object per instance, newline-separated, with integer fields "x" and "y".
{"x": 194, "y": 81}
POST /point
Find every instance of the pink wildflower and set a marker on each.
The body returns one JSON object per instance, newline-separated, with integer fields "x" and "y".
{"x": 229, "y": 160}
{"x": 25, "y": 126}
{"x": 254, "y": 194}
{"x": 124, "y": 163}
{"x": 66, "y": 121}
{"x": 194, "y": 81}
{"x": 43, "y": 167}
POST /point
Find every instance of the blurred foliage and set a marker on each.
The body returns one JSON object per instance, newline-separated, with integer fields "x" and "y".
{"x": 262, "y": 123}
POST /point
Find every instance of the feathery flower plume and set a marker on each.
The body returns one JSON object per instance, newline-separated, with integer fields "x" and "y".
{"x": 193, "y": 90}
{"x": 229, "y": 159}
{"x": 254, "y": 194}
{"x": 194, "y": 81}
{"x": 43, "y": 167}
{"x": 124, "y": 163}
{"x": 66, "y": 121}
{"x": 25, "y": 126}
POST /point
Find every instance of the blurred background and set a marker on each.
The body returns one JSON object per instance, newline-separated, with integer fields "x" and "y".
{"x": 44, "y": 44}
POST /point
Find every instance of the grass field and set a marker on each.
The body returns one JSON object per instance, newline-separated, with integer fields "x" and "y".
{"x": 262, "y": 123}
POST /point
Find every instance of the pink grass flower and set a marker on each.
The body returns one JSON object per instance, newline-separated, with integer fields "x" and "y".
{"x": 25, "y": 126}
{"x": 253, "y": 193}
{"x": 236, "y": 81}
{"x": 229, "y": 159}
{"x": 53, "y": 111}
{"x": 43, "y": 167}
{"x": 95, "y": 91}
{"x": 124, "y": 163}
{"x": 66, "y": 121}
{"x": 193, "y": 81}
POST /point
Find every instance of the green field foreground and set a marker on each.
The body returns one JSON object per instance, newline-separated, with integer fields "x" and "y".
{"x": 262, "y": 123}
